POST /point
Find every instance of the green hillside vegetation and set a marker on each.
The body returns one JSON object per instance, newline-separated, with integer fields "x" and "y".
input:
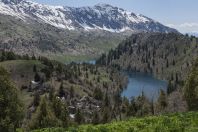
{"x": 180, "y": 122}
{"x": 81, "y": 89}
{"x": 191, "y": 88}
{"x": 177, "y": 122}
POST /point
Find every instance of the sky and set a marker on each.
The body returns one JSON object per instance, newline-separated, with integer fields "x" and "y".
{"x": 179, "y": 14}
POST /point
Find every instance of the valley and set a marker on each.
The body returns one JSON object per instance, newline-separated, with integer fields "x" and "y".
{"x": 94, "y": 68}
{"x": 44, "y": 40}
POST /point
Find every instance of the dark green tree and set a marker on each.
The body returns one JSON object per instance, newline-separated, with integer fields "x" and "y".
{"x": 37, "y": 77}
{"x": 11, "y": 109}
{"x": 162, "y": 101}
{"x": 96, "y": 118}
{"x": 79, "y": 117}
{"x": 33, "y": 57}
{"x": 106, "y": 117}
{"x": 60, "y": 110}
{"x": 34, "y": 68}
{"x": 36, "y": 100}
{"x": 44, "y": 117}
{"x": 106, "y": 100}
{"x": 71, "y": 91}
{"x": 98, "y": 95}
{"x": 191, "y": 88}
{"x": 52, "y": 93}
{"x": 170, "y": 88}
{"x": 61, "y": 90}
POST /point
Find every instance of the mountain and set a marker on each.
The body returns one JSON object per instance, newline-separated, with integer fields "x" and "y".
{"x": 43, "y": 39}
{"x": 99, "y": 17}
{"x": 68, "y": 33}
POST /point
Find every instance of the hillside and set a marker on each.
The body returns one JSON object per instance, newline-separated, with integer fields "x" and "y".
{"x": 167, "y": 56}
{"x": 46, "y": 40}
{"x": 83, "y": 87}
{"x": 180, "y": 122}
{"x": 190, "y": 87}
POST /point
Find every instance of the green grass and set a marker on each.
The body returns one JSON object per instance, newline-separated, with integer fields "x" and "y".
{"x": 20, "y": 65}
{"x": 180, "y": 122}
{"x": 72, "y": 58}
{"x": 19, "y": 68}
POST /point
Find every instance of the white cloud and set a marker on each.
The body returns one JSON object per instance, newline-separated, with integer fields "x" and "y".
{"x": 185, "y": 27}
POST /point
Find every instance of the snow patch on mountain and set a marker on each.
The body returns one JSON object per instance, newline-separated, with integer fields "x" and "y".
{"x": 100, "y": 17}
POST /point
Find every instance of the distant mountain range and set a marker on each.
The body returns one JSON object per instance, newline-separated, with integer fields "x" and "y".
{"x": 99, "y": 17}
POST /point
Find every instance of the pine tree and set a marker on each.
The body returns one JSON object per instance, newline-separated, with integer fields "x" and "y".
{"x": 44, "y": 117}
{"x": 191, "y": 89}
{"x": 11, "y": 108}
{"x": 71, "y": 91}
{"x": 96, "y": 118}
{"x": 106, "y": 115}
{"x": 51, "y": 94}
{"x": 106, "y": 100}
{"x": 33, "y": 57}
{"x": 78, "y": 117}
{"x": 132, "y": 108}
{"x": 162, "y": 101}
{"x": 98, "y": 95}
{"x": 60, "y": 110}
{"x": 61, "y": 90}
{"x": 36, "y": 100}
{"x": 142, "y": 105}
{"x": 170, "y": 87}
{"x": 64, "y": 115}
{"x": 167, "y": 63}
{"x": 34, "y": 69}
{"x": 37, "y": 77}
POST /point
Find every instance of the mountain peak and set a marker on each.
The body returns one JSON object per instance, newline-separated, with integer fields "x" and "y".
{"x": 100, "y": 17}
{"x": 103, "y": 5}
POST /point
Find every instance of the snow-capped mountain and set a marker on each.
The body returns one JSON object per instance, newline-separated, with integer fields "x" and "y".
{"x": 99, "y": 17}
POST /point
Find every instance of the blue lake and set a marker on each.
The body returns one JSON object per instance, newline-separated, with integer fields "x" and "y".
{"x": 139, "y": 82}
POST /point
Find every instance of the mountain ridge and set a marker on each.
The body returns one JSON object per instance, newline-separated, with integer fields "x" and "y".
{"x": 99, "y": 17}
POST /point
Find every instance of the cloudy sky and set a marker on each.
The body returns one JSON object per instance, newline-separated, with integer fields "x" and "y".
{"x": 179, "y": 14}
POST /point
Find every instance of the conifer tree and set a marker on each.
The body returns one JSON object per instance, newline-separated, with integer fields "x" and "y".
{"x": 60, "y": 110}
{"x": 191, "y": 88}
{"x": 37, "y": 77}
{"x": 162, "y": 101}
{"x": 44, "y": 117}
{"x": 11, "y": 108}
{"x": 61, "y": 90}
{"x": 96, "y": 118}
{"x": 34, "y": 68}
{"x": 36, "y": 100}
{"x": 78, "y": 117}
{"x": 170, "y": 87}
